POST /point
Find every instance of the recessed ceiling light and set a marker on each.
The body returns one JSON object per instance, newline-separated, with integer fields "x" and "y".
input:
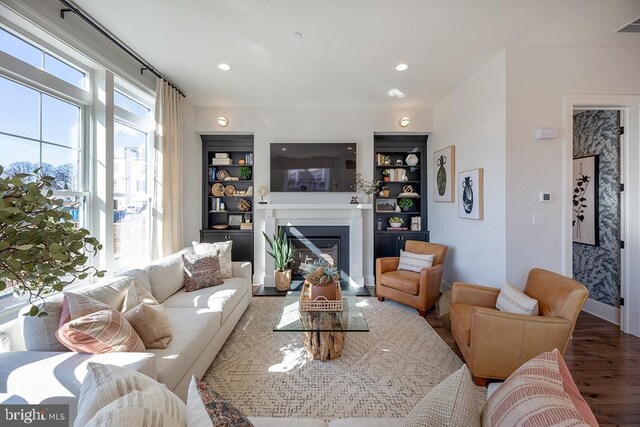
{"x": 401, "y": 67}
{"x": 396, "y": 93}
{"x": 297, "y": 35}
{"x": 223, "y": 121}
{"x": 224, "y": 67}
{"x": 284, "y": 149}
{"x": 404, "y": 122}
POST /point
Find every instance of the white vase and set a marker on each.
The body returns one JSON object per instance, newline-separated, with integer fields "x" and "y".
{"x": 366, "y": 199}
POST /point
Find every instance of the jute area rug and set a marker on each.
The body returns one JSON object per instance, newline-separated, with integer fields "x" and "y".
{"x": 382, "y": 373}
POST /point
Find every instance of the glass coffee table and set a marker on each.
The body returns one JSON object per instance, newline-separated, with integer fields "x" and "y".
{"x": 324, "y": 331}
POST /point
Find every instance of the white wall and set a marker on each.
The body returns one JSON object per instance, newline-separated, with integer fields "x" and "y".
{"x": 538, "y": 80}
{"x": 472, "y": 118}
{"x": 289, "y": 125}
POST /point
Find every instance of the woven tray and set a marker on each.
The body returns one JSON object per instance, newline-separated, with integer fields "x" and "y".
{"x": 320, "y": 303}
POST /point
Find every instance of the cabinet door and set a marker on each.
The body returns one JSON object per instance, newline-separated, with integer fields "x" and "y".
{"x": 386, "y": 245}
{"x": 422, "y": 237}
{"x": 242, "y": 248}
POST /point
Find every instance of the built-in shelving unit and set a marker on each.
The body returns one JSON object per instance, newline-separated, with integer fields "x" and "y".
{"x": 390, "y": 154}
{"x": 227, "y": 204}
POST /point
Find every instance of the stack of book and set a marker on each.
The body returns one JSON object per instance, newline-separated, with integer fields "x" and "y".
{"x": 397, "y": 229}
{"x": 221, "y": 159}
{"x": 416, "y": 224}
{"x": 246, "y": 226}
{"x": 248, "y": 158}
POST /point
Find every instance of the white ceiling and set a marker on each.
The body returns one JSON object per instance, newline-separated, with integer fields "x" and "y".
{"x": 350, "y": 48}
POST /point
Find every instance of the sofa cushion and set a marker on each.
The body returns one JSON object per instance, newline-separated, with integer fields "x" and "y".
{"x": 292, "y": 422}
{"x": 56, "y": 377}
{"x": 205, "y": 407}
{"x": 223, "y": 298}
{"x": 39, "y": 333}
{"x": 414, "y": 262}
{"x": 194, "y": 331}
{"x": 140, "y": 276}
{"x": 224, "y": 255}
{"x": 402, "y": 280}
{"x": 104, "y": 331}
{"x": 137, "y": 294}
{"x": 461, "y": 316}
{"x": 535, "y": 394}
{"x": 365, "y": 422}
{"x": 201, "y": 271}
{"x": 109, "y": 291}
{"x": 151, "y": 323}
{"x": 115, "y": 396}
{"x": 166, "y": 276}
{"x": 450, "y": 403}
{"x": 511, "y": 300}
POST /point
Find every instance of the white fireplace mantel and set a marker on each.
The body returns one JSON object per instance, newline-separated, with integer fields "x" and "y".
{"x": 319, "y": 214}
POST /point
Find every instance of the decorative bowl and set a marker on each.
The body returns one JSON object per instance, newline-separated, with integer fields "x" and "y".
{"x": 395, "y": 224}
{"x": 411, "y": 160}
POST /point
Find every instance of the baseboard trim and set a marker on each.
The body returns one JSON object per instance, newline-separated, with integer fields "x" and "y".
{"x": 604, "y": 311}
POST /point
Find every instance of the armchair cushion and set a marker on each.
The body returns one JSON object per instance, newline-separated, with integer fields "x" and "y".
{"x": 512, "y": 300}
{"x": 402, "y": 280}
{"x": 414, "y": 262}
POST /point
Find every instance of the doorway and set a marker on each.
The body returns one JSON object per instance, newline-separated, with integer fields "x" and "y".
{"x": 627, "y": 313}
{"x": 596, "y": 201}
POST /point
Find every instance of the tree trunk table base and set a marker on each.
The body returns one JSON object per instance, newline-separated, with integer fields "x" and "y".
{"x": 324, "y": 345}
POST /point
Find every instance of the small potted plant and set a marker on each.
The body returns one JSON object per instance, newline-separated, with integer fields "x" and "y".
{"x": 367, "y": 187}
{"x": 282, "y": 254}
{"x": 396, "y": 221}
{"x": 385, "y": 191}
{"x": 245, "y": 172}
{"x": 323, "y": 279}
{"x": 386, "y": 174}
{"x": 405, "y": 204}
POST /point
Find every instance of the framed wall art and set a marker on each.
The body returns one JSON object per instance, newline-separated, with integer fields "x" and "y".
{"x": 444, "y": 170}
{"x": 470, "y": 194}
{"x": 584, "y": 201}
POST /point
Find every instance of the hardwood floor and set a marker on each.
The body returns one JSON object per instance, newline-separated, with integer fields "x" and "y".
{"x": 604, "y": 362}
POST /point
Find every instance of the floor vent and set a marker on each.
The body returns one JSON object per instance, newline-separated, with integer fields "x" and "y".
{"x": 632, "y": 27}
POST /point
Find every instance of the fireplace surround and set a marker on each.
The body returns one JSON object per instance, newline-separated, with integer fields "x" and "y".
{"x": 313, "y": 242}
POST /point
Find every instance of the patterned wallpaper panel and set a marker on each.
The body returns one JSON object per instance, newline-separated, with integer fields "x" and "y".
{"x": 598, "y": 267}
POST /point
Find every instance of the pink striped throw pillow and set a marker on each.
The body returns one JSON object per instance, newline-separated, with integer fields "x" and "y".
{"x": 536, "y": 395}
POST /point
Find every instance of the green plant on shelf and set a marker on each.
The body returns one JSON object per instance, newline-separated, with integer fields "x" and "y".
{"x": 396, "y": 220}
{"x": 245, "y": 172}
{"x": 405, "y": 204}
{"x": 386, "y": 172}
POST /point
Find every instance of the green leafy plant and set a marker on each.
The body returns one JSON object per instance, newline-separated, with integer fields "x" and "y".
{"x": 281, "y": 249}
{"x": 386, "y": 172}
{"x": 245, "y": 172}
{"x": 41, "y": 250}
{"x": 320, "y": 273}
{"x": 367, "y": 187}
{"x": 405, "y": 204}
{"x": 396, "y": 220}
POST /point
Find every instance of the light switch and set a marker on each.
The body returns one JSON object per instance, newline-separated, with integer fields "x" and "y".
{"x": 539, "y": 219}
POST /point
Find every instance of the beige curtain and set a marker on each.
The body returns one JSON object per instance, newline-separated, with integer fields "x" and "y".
{"x": 166, "y": 237}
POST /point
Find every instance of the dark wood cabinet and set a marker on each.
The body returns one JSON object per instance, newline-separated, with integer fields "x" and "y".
{"x": 227, "y": 193}
{"x": 242, "y": 248}
{"x": 406, "y": 186}
{"x": 389, "y": 244}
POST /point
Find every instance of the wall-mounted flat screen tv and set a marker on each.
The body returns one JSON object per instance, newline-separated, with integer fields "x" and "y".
{"x": 300, "y": 167}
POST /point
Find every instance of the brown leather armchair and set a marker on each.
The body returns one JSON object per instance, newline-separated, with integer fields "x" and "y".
{"x": 417, "y": 290}
{"x": 495, "y": 343}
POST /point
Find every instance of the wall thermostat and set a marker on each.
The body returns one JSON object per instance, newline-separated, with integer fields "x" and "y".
{"x": 545, "y": 197}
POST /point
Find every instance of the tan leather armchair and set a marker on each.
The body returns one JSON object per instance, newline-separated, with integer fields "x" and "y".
{"x": 496, "y": 343}
{"x": 417, "y": 290}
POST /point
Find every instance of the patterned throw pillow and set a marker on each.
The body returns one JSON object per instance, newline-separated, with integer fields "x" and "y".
{"x": 137, "y": 294}
{"x": 148, "y": 318}
{"x": 201, "y": 271}
{"x": 117, "y": 396}
{"x": 536, "y": 395}
{"x": 224, "y": 255}
{"x": 205, "y": 407}
{"x": 414, "y": 262}
{"x": 511, "y": 300}
{"x": 451, "y": 403}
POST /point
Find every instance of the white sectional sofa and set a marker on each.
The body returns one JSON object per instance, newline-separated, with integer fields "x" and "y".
{"x": 35, "y": 367}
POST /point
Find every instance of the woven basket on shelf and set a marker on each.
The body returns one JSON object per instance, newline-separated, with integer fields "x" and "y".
{"x": 320, "y": 303}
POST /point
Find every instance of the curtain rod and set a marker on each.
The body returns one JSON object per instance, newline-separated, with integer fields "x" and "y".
{"x": 70, "y": 7}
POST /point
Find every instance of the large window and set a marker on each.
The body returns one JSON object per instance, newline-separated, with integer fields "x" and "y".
{"x": 131, "y": 182}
